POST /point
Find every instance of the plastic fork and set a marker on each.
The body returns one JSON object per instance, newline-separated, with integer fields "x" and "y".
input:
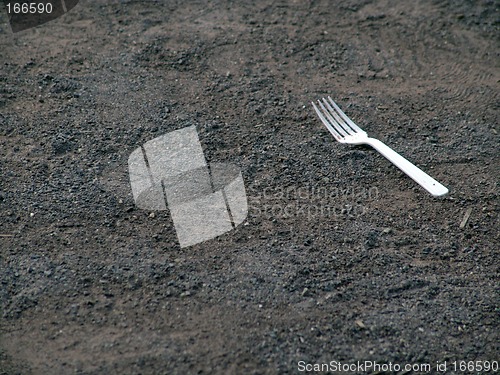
{"x": 345, "y": 130}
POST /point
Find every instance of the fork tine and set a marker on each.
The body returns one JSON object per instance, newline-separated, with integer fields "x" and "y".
{"x": 336, "y": 135}
{"x": 333, "y": 121}
{"x": 344, "y": 116}
{"x": 338, "y": 120}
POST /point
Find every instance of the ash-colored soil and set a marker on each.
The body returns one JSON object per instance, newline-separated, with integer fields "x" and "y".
{"x": 342, "y": 256}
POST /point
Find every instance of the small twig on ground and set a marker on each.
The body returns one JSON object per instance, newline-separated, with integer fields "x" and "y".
{"x": 6, "y": 235}
{"x": 466, "y": 218}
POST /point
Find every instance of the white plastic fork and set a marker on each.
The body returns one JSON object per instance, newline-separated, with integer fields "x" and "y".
{"x": 345, "y": 130}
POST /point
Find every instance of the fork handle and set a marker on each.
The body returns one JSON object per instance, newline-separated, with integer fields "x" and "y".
{"x": 418, "y": 175}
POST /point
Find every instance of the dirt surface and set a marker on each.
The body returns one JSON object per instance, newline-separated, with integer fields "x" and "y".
{"x": 342, "y": 256}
